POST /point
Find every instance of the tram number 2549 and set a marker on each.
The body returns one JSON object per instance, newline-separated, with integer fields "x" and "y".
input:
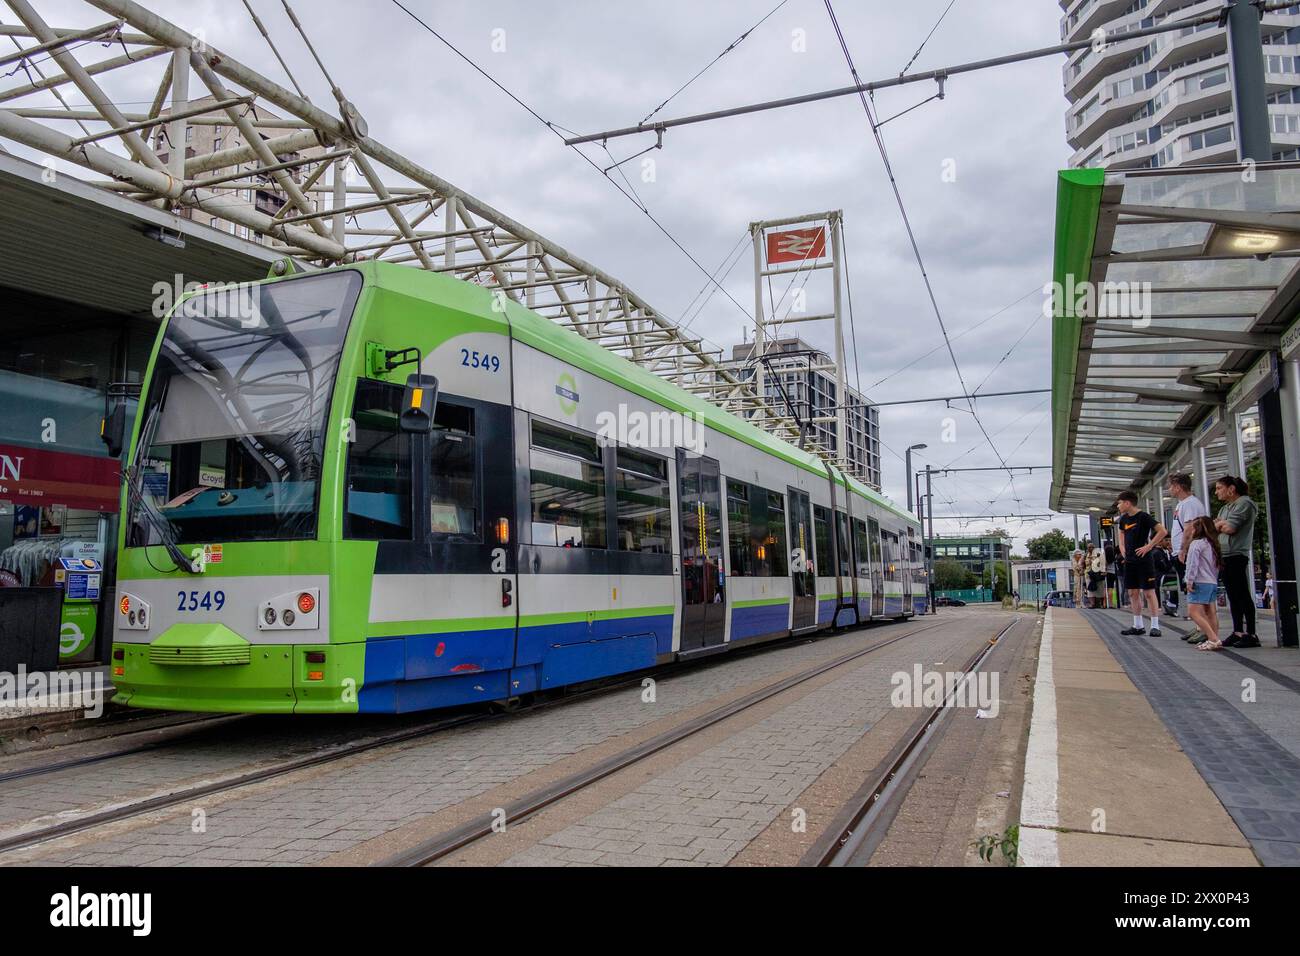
{"x": 476, "y": 359}
{"x": 200, "y": 600}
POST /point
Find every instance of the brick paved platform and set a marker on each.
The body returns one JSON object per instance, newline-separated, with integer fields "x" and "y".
{"x": 1109, "y": 780}
{"x": 1236, "y": 717}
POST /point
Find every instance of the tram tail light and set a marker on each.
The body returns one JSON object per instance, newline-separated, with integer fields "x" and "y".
{"x": 119, "y": 671}
{"x": 306, "y": 603}
{"x": 315, "y": 675}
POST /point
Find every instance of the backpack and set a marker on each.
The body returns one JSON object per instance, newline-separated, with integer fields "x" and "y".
{"x": 1162, "y": 562}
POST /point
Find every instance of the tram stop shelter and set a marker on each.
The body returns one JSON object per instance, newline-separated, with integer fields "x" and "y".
{"x": 1175, "y": 343}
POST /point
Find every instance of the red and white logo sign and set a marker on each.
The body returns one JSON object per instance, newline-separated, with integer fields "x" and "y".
{"x": 796, "y": 245}
{"x": 37, "y": 476}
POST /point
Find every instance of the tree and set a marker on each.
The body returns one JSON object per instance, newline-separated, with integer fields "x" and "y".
{"x": 1052, "y": 546}
{"x": 1259, "y": 492}
{"x": 951, "y": 575}
{"x": 999, "y": 579}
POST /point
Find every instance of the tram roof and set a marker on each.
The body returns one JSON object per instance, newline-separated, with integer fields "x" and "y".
{"x": 544, "y": 334}
{"x": 1177, "y": 289}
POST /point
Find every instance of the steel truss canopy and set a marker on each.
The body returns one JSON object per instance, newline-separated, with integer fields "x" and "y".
{"x": 1174, "y": 290}
{"x": 348, "y": 196}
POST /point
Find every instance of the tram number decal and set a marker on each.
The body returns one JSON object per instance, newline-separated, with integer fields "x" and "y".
{"x": 192, "y": 601}
{"x": 475, "y": 359}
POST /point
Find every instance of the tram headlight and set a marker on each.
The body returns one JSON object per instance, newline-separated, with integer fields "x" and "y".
{"x": 134, "y": 613}
{"x": 299, "y": 610}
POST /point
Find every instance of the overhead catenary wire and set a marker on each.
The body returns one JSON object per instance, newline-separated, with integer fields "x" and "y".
{"x": 53, "y": 89}
{"x": 734, "y": 43}
{"x": 907, "y": 225}
{"x": 937, "y": 75}
{"x": 908, "y": 65}
{"x": 559, "y": 132}
{"x": 271, "y": 43}
{"x": 710, "y": 285}
{"x": 964, "y": 332}
{"x": 1033, "y": 323}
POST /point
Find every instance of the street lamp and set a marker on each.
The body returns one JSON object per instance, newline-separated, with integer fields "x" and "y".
{"x": 911, "y": 506}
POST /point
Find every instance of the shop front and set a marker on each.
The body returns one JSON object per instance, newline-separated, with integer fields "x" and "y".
{"x": 82, "y": 287}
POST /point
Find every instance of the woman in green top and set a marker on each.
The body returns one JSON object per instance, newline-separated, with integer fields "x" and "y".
{"x": 1236, "y": 525}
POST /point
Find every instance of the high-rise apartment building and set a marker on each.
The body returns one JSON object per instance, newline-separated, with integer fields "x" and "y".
{"x": 1166, "y": 99}
{"x": 800, "y": 380}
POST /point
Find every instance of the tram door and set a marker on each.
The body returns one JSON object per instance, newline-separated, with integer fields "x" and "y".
{"x": 704, "y": 580}
{"x": 803, "y": 576}
{"x": 905, "y": 546}
{"x": 877, "y": 567}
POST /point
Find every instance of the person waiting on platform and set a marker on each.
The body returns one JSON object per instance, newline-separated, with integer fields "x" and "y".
{"x": 1096, "y": 575}
{"x": 1108, "y": 549}
{"x": 1201, "y": 545}
{"x": 1078, "y": 576}
{"x": 1188, "y": 509}
{"x": 1236, "y": 525}
{"x": 1138, "y": 535}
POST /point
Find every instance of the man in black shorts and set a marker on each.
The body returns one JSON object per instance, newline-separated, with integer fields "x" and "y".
{"x": 1138, "y": 532}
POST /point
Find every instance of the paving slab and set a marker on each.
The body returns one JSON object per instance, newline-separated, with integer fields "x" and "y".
{"x": 1107, "y": 783}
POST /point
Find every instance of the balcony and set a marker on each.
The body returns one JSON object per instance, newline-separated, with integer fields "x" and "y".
{"x": 1087, "y": 15}
{"x": 1086, "y": 68}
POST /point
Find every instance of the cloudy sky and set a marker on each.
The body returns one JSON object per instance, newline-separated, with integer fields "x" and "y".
{"x": 985, "y": 230}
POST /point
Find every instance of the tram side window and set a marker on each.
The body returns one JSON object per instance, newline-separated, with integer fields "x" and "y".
{"x": 738, "y": 537}
{"x": 842, "y": 526}
{"x": 774, "y": 543}
{"x": 891, "y": 556}
{"x": 873, "y": 536}
{"x": 453, "y": 474}
{"x": 756, "y": 531}
{"x": 822, "y": 535}
{"x": 378, "y": 503}
{"x": 864, "y": 548}
{"x": 644, "y": 503}
{"x": 568, "y": 488}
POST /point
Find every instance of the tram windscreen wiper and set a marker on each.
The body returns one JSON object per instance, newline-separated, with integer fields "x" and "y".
{"x": 136, "y": 498}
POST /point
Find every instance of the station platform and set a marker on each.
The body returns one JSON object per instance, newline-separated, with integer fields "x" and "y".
{"x": 41, "y": 707}
{"x": 1146, "y": 752}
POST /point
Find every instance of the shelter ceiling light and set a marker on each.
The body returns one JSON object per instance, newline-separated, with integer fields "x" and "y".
{"x": 1127, "y": 458}
{"x": 1241, "y": 241}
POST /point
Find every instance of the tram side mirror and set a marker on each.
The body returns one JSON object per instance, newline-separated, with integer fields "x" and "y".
{"x": 112, "y": 429}
{"x": 419, "y": 402}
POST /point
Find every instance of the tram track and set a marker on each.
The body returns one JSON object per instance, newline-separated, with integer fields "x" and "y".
{"x": 185, "y": 729}
{"x": 443, "y": 845}
{"x": 23, "y": 839}
{"x": 856, "y": 832}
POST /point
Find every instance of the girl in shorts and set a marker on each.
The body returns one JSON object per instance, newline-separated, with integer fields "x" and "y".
{"x": 1202, "y": 580}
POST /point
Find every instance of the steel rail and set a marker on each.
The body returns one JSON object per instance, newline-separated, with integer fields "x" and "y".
{"x": 862, "y": 824}
{"x": 439, "y": 846}
{"x": 26, "y": 838}
{"x": 190, "y": 727}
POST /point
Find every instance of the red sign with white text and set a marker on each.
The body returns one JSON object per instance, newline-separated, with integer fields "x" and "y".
{"x": 37, "y": 476}
{"x": 796, "y": 245}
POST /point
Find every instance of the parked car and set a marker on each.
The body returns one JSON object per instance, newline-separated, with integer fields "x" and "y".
{"x": 1057, "y": 599}
{"x": 944, "y": 601}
